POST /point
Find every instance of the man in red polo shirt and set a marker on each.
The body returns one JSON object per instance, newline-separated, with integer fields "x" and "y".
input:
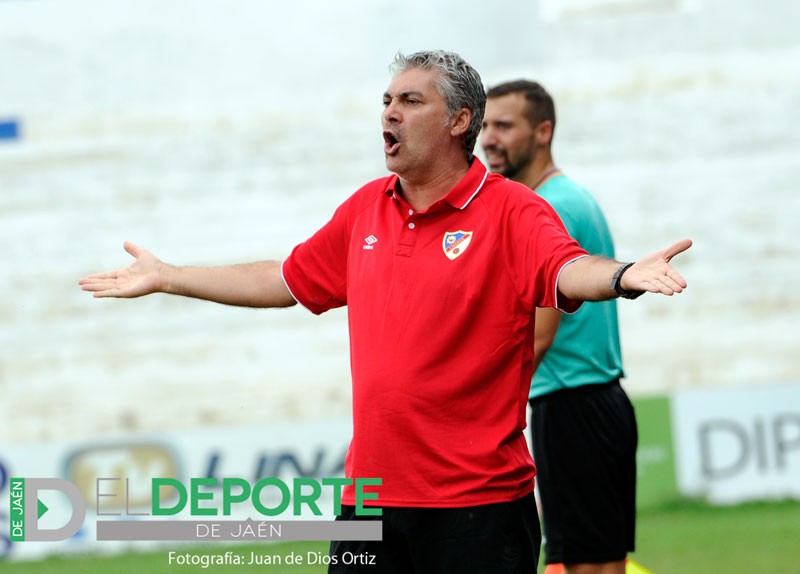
{"x": 441, "y": 266}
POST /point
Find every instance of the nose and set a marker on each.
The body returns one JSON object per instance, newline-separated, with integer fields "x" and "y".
{"x": 391, "y": 113}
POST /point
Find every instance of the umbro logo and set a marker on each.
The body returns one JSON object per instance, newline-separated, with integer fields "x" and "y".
{"x": 370, "y": 242}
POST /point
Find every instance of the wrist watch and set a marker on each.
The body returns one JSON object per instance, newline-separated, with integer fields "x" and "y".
{"x": 616, "y": 284}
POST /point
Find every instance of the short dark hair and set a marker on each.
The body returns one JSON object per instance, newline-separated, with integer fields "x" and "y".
{"x": 540, "y": 103}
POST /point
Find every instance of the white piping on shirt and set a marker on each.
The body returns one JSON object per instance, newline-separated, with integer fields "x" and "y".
{"x": 557, "y": 292}
{"x": 480, "y": 186}
{"x": 283, "y": 277}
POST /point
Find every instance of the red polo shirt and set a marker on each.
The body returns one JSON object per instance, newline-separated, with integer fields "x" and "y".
{"x": 441, "y": 307}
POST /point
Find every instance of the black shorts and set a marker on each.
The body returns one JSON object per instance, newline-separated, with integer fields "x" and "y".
{"x": 584, "y": 445}
{"x": 502, "y": 538}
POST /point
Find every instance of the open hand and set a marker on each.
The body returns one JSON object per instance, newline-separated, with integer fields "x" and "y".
{"x": 654, "y": 274}
{"x": 142, "y": 277}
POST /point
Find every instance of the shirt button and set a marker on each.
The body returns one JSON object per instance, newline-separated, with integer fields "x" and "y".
{"x": 411, "y": 225}
{"x": 411, "y": 212}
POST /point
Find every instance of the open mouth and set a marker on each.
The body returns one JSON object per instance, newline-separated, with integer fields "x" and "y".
{"x": 390, "y": 143}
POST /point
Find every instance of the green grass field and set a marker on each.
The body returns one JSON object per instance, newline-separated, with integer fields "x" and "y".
{"x": 679, "y": 538}
{"x": 694, "y": 538}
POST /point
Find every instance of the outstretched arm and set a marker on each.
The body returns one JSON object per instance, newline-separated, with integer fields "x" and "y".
{"x": 246, "y": 285}
{"x": 589, "y": 278}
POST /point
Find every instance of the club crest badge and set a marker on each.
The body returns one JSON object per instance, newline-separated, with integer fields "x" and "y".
{"x": 455, "y": 243}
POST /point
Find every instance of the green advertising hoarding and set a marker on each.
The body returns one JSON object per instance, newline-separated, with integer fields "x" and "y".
{"x": 655, "y": 456}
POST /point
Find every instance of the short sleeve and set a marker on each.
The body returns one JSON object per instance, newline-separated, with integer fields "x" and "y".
{"x": 540, "y": 248}
{"x": 316, "y": 270}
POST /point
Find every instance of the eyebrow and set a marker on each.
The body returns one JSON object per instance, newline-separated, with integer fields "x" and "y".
{"x": 404, "y": 95}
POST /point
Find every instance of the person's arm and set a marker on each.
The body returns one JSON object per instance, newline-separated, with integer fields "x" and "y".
{"x": 247, "y": 285}
{"x": 590, "y": 278}
{"x": 544, "y": 332}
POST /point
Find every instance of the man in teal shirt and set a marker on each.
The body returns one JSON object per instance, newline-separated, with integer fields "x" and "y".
{"x": 583, "y": 428}
{"x": 586, "y": 347}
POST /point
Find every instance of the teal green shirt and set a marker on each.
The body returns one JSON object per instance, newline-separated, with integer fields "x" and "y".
{"x": 586, "y": 349}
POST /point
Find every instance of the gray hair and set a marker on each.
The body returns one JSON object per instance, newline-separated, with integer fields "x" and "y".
{"x": 458, "y": 83}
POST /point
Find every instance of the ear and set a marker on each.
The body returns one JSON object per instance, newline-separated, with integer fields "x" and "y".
{"x": 544, "y": 133}
{"x": 459, "y": 123}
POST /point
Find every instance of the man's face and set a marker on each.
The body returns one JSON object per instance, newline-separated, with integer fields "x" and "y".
{"x": 507, "y": 138}
{"x": 415, "y": 122}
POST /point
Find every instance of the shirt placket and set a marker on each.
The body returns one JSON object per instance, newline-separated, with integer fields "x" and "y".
{"x": 409, "y": 231}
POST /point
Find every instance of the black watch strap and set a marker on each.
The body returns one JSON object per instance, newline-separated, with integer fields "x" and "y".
{"x": 616, "y": 284}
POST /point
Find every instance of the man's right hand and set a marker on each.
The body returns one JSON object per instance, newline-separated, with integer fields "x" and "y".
{"x": 142, "y": 277}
